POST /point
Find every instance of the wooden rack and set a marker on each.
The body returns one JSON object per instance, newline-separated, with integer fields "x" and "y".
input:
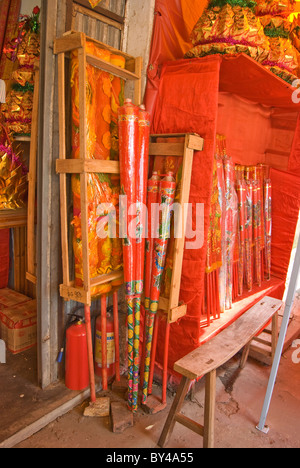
{"x": 133, "y": 69}
{"x": 170, "y": 307}
{"x": 32, "y": 182}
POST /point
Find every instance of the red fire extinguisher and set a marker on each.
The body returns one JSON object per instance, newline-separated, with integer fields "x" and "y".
{"x": 110, "y": 347}
{"x": 76, "y": 365}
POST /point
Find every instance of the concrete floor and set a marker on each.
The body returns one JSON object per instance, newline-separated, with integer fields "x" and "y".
{"x": 25, "y": 409}
{"x": 240, "y": 397}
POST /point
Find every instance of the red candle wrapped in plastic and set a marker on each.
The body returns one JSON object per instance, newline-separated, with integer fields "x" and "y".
{"x": 256, "y": 230}
{"x": 249, "y": 236}
{"x": 268, "y": 225}
{"x": 241, "y": 192}
{"x": 166, "y": 198}
{"x": 141, "y": 200}
{"x": 230, "y": 227}
{"x": 128, "y": 120}
{"x": 153, "y": 192}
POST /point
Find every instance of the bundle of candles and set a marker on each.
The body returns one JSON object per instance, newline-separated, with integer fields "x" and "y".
{"x": 239, "y": 238}
{"x": 146, "y": 242}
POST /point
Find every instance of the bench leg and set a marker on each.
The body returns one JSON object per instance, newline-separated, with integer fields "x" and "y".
{"x": 176, "y": 407}
{"x": 274, "y": 335}
{"x": 245, "y": 355}
{"x": 209, "y": 414}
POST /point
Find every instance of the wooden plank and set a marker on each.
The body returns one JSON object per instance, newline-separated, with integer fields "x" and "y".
{"x": 68, "y": 43}
{"x": 63, "y": 178}
{"x": 190, "y": 424}
{"x": 13, "y": 218}
{"x": 175, "y": 410}
{"x": 112, "y": 69}
{"x": 180, "y": 242}
{"x": 195, "y": 142}
{"x": 102, "y": 11}
{"x": 209, "y": 411}
{"x": 167, "y": 149}
{"x": 70, "y": 293}
{"x": 138, "y": 68}
{"x": 77, "y": 166}
{"x": 103, "y": 279}
{"x": 229, "y": 342}
{"x": 31, "y": 244}
{"x": 83, "y": 177}
{"x": 98, "y": 16}
{"x": 177, "y": 313}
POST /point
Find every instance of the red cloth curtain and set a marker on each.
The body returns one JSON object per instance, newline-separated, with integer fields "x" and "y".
{"x": 9, "y": 15}
{"x": 173, "y": 24}
{"x": 183, "y": 107}
{"x": 294, "y": 162}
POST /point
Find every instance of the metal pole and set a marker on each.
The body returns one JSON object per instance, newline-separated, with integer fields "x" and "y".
{"x": 286, "y": 317}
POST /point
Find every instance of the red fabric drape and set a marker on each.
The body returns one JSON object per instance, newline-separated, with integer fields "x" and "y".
{"x": 173, "y": 24}
{"x": 9, "y": 15}
{"x": 294, "y": 162}
{"x": 285, "y": 211}
{"x": 188, "y": 102}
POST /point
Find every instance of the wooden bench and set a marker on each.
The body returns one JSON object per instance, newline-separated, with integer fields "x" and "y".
{"x": 205, "y": 361}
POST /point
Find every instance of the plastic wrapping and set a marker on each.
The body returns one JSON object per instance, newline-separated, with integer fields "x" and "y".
{"x": 222, "y": 203}
{"x": 134, "y": 136}
{"x": 268, "y": 226}
{"x": 153, "y": 188}
{"x": 129, "y": 145}
{"x": 249, "y": 236}
{"x": 257, "y": 230}
{"x": 230, "y": 228}
{"x": 242, "y": 196}
{"x": 102, "y": 190}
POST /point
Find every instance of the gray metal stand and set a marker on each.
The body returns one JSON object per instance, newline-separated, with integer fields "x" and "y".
{"x": 286, "y": 317}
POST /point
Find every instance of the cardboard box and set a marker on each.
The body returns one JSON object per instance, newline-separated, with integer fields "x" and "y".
{"x": 19, "y": 326}
{"x": 10, "y": 298}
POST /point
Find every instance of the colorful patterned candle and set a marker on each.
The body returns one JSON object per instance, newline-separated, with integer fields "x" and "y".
{"x": 230, "y": 228}
{"x": 256, "y": 230}
{"x": 268, "y": 225}
{"x": 241, "y": 192}
{"x": 166, "y": 197}
{"x": 141, "y": 199}
{"x": 249, "y": 236}
{"x": 128, "y": 120}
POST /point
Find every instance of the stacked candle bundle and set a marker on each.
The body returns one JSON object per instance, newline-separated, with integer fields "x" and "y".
{"x": 229, "y": 27}
{"x": 166, "y": 197}
{"x": 213, "y": 302}
{"x": 283, "y": 56}
{"x": 255, "y": 220}
{"x": 25, "y": 49}
{"x": 240, "y": 231}
{"x": 134, "y": 134}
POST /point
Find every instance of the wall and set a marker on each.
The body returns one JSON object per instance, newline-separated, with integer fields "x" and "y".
{"x": 138, "y": 32}
{"x": 52, "y": 310}
{"x": 27, "y": 6}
